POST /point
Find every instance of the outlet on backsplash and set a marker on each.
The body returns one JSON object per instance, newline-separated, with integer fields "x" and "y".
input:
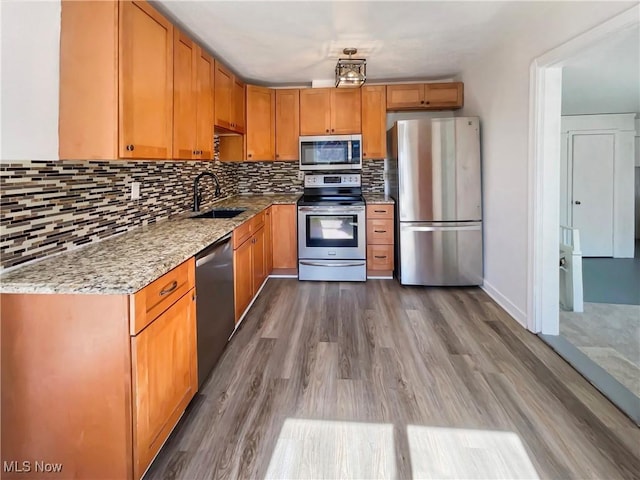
{"x": 300, "y": 175}
{"x": 135, "y": 190}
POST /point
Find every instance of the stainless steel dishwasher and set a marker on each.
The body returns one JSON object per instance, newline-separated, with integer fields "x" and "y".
{"x": 214, "y": 303}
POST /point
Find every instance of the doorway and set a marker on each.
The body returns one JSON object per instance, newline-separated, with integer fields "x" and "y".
{"x": 551, "y": 210}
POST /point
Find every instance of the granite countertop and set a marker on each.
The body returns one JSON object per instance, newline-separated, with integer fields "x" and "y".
{"x": 378, "y": 198}
{"x": 128, "y": 262}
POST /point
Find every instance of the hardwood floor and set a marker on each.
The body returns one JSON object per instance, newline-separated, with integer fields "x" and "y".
{"x": 376, "y": 380}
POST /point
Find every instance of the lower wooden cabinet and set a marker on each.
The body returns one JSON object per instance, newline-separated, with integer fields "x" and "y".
{"x": 284, "y": 239}
{"x": 87, "y": 384}
{"x": 250, "y": 256}
{"x": 380, "y": 240}
{"x": 164, "y": 378}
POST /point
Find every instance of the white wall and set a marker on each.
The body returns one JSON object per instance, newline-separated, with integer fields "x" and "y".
{"x": 497, "y": 90}
{"x": 30, "y": 78}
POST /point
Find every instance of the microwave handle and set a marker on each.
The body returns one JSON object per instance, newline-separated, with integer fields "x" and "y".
{"x": 349, "y": 151}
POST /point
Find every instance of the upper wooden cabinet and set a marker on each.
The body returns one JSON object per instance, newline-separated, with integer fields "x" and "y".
{"x": 192, "y": 100}
{"x": 425, "y": 96}
{"x": 116, "y": 81}
{"x": 330, "y": 111}
{"x": 374, "y": 121}
{"x": 229, "y": 100}
{"x": 287, "y": 124}
{"x": 261, "y": 105}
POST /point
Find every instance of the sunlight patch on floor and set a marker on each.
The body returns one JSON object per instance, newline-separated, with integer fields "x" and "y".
{"x": 315, "y": 449}
{"x": 469, "y": 454}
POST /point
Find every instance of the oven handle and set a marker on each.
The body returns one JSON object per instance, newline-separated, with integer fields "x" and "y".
{"x": 332, "y": 209}
{"x": 332, "y": 264}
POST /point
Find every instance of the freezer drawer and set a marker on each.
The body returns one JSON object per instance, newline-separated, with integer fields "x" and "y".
{"x": 437, "y": 254}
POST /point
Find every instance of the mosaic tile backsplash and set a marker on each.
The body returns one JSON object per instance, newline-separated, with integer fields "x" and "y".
{"x": 48, "y": 207}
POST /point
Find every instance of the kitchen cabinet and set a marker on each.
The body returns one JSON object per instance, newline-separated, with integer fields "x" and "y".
{"x": 332, "y": 111}
{"x": 380, "y": 240}
{"x": 425, "y": 96}
{"x": 260, "y": 136}
{"x": 374, "y": 121}
{"x": 287, "y": 124}
{"x": 229, "y": 100}
{"x": 284, "y": 239}
{"x": 268, "y": 241}
{"x": 97, "y": 382}
{"x": 116, "y": 81}
{"x": 192, "y": 100}
{"x": 249, "y": 261}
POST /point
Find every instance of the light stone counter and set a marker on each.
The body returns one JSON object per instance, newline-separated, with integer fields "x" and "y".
{"x": 128, "y": 262}
{"x": 378, "y": 198}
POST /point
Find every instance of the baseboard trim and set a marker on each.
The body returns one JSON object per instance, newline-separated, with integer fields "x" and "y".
{"x": 518, "y": 315}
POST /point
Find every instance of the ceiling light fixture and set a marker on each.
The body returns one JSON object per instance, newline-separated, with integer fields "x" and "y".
{"x": 351, "y": 72}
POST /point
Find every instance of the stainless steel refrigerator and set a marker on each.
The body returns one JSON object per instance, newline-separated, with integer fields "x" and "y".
{"x": 432, "y": 171}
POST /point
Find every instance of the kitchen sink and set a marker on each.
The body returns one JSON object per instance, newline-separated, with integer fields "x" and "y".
{"x": 221, "y": 213}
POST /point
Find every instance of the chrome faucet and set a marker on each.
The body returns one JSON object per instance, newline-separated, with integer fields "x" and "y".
{"x": 197, "y": 195}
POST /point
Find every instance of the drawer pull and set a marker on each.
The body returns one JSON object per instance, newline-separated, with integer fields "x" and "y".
{"x": 169, "y": 289}
{"x": 380, "y": 256}
{"x": 380, "y": 211}
{"x": 380, "y": 231}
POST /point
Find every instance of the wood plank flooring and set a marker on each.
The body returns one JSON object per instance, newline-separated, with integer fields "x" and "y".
{"x": 376, "y": 380}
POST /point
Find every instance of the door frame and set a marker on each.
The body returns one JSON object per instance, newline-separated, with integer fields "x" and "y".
{"x": 545, "y": 95}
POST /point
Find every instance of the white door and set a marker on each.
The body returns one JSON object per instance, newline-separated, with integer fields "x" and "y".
{"x": 592, "y": 196}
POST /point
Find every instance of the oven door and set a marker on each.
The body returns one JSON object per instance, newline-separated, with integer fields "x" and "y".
{"x": 335, "y": 152}
{"x": 331, "y": 232}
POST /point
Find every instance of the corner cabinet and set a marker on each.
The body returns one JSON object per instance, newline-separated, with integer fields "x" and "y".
{"x": 229, "y": 100}
{"x": 116, "y": 81}
{"x": 425, "y": 96}
{"x": 333, "y": 111}
{"x": 97, "y": 382}
{"x": 374, "y": 122}
{"x": 261, "y": 136}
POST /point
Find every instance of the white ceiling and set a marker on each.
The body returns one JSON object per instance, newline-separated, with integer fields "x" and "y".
{"x": 604, "y": 78}
{"x": 294, "y": 42}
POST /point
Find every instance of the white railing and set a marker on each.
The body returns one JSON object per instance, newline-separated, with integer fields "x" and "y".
{"x": 570, "y": 269}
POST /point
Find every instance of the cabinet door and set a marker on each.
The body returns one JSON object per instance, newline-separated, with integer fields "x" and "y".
{"x": 184, "y": 99}
{"x": 443, "y": 95}
{"x": 242, "y": 277}
{"x": 315, "y": 111}
{"x": 205, "y": 77}
{"x": 284, "y": 236}
{"x": 405, "y": 96}
{"x": 237, "y": 108}
{"x": 268, "y": 242}
{"x": 146, "y": 82}
{"x": 374, "y": 121}
{"x": 259, "y": 260}
{"x": 346, "y": 114}
{"x": 260, "y": 123}
{"x": 287, "y": 124}
{"x": 223, "y": 92}
{"x": 165, "y": 378}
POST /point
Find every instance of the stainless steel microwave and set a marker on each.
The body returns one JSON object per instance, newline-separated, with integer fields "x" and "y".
{"x": 331, "y": 152}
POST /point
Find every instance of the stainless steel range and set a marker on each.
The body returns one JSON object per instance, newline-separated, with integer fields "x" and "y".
{"x": 332, "y": 228}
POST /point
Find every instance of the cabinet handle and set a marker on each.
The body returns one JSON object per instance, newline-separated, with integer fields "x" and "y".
{"x": 364, "y": 154}
{"x": 327, "y": 130}
{"x": 277, "y": 155}
{"x": 421, "y": 101}
{"x": 332, "y": 130}
{"x": 380, "y": 256}
{"x": 130, "y": 148}
{"x": 427, "y": 103}
{"x": 380, "y": 231}
{"x": 249, "y": 156}
{"x": 380, "y": 211}
{"x": 169, "y": 289}
{"x": 195, "y": 152}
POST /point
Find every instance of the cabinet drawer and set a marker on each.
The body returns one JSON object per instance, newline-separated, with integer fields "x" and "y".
{"x": 379, "y": 257}
{"x": 379, "y": 231}
{"x": 241, "y": 234}
{"x": 380, "y": 211}
{"x": 155, "y": 298}
{"x": 257, "y": 222}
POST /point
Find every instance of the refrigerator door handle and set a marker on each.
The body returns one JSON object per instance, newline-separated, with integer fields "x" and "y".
{"x": 440, "y": 229}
